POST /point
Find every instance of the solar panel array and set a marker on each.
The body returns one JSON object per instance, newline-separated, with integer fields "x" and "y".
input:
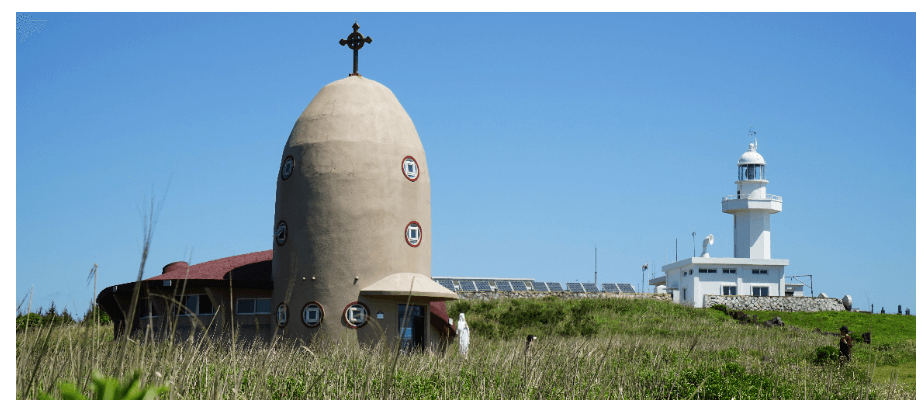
{"x": 555, "y": 287}
{"x": 625, "y": 288}
{"x": 518, "y": 286}
{"x": 468, "y": 285}
{"x": 575, "y": 287}
{"x": 503, "y": 286}
{"x": 445, "y": 283}
{"x": 590, "y": 288}
{"x": 610, "y": 288}
{"x": 540, "y": 287}
{"x": 483, "y": 285}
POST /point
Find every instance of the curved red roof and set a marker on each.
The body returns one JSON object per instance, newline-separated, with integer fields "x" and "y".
{"x": 218, "y": 269}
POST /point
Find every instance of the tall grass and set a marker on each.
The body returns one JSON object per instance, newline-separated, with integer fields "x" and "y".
{"x": 692, "y": 355}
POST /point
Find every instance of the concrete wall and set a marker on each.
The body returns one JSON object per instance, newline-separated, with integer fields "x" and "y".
{"x": 790, "y": 304}
{"x": 479, "y": 295}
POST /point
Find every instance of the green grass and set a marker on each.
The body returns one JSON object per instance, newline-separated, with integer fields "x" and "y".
{"x": 587, "y": 349}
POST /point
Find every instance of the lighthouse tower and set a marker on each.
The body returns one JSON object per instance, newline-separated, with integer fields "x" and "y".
{"x": 752, "y": 207}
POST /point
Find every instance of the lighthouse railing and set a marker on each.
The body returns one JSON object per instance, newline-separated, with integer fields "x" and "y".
{"x": 767, "y": 197}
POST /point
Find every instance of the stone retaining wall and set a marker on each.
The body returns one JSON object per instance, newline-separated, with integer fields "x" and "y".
{"x": 790, "y": 304}
{"x": 485, "y": 295}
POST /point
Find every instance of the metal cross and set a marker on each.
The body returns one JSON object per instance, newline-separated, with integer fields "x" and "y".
{"x": 355, "y": 41}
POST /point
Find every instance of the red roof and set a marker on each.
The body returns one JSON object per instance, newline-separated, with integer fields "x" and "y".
{"x": 218, "y": 269}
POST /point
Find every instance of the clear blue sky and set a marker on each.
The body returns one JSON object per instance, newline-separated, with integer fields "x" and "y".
{"x": 545, "y": 134}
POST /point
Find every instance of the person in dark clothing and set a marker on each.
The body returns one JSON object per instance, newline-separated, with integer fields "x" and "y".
{"x": 846, "y": 343}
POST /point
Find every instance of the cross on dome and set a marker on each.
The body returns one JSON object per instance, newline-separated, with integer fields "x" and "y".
{"x": 355, "y": 42}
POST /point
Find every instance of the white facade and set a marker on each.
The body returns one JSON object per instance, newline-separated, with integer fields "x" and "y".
{"x": 752, "y": 271}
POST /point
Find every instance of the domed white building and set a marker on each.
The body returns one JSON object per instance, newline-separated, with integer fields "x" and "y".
{"x": 752, "y": 271}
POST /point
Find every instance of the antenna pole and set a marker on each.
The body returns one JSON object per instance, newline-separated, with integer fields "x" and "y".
{"x": 675, "y": 249}
{"x": 694, "y": 244}
{"x": 595, "y": 264}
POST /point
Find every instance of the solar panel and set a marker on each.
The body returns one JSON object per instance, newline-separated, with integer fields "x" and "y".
{"x": 503, "y": 286}
{"x": 445, "y": 283}
{"x": 518, "y": 286}
{"x": 540, "y": 287}
{"x": 575, "y": 287}
{"x": 555, "y": 287}
{"x": 590, "y": 287}
{"x": 610, "y": 288}
{"x": 626, "y": 288}
{"x": 483, "y": 285}
{"x": 468, "y": 285}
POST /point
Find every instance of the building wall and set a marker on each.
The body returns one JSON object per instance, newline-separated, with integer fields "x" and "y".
{"x": 789, "y": 304}
{"x": 698, "y": 284}
{"x": 347, "y": 204}
{"x": 752, "y": 235}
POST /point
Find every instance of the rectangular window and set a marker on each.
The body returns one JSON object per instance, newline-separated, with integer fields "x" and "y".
{"x": 701, "y": 271}
{"x": 205, "y": 305}
{"x": 711, "y": 271}
{"x": 191, "y": 305}
{"x": 684, "y": 294}
{"x": 251, "y": 306}
{"x": 146, "y": 309}
{"x": 729, "y": 290}
{"x": 755, "y": 271}
{"x": 729, "y": 271}
{"x": 760, "y": 291}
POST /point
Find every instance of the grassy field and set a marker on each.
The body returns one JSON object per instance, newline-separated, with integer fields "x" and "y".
{"x": 587, "y": 349}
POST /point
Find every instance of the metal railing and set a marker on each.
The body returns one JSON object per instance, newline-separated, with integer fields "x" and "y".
{"x": 767, "y": 197}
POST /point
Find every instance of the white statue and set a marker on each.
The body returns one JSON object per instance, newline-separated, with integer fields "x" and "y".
{"x": 462, "y": 330}
{"x": 706, "y": 242}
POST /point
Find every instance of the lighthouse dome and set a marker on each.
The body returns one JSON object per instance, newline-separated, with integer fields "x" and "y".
{"x": 751, "y": 156}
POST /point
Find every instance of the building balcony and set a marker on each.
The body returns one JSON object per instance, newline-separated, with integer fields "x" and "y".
{"x": 771, "y": 203}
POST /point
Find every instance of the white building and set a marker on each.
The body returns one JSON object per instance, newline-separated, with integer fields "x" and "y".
{"x": 752, "y": 271}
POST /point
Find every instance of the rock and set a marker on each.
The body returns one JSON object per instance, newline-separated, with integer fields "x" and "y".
{"x": 822, "y": 295}
{"x": 848, "y": 302}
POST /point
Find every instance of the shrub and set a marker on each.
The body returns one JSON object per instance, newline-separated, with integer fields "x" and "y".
{"x": 720, "y": 307}
{"x": 826, "y": 354}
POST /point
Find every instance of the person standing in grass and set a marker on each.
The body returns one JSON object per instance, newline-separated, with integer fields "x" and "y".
{"x": 846, "y": 343}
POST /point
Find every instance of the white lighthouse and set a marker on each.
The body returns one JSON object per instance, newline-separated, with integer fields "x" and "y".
{"x": 751, "y": 271}
{"x": 752, "y": 207}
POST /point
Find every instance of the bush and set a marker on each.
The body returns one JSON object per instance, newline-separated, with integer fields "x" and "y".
{"x": 826, "y": 354}
{"x": 720, "y": 307}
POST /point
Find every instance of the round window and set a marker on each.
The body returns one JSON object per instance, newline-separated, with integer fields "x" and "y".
{"x": 281, "y": 233}
{"x": 413, "y": 234}
{"x": 411, "y": 170}
{"x": 312, "y": 314}
{"x": 282, "y": 314}
{"x": 356, "y": 314}
{"x": 287, "y": 167}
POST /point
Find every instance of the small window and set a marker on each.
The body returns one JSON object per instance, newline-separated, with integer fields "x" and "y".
{"x": 729, "y": 290}
{"x": 760, "y": 291}
{"x": 281, "y": 233}
{"x": 411, "y": 170}
{"x": 282, "y": 315}
{"x": 712, "y": 271}
{"x": 312, "y": 314}
{"x": 356, "y": 315}
{"x": 413, "y": 234}
{"x": 701, "y": 271}
{"x": 146, "y": 309}
{"x": 684, "y": 294}
{"x": 287, "y": 167}
{"x": 758, "y": 271}
{"x": 205, "y": 305}
{"x": 251, "y": 306}
{"x": 729, "y": 271}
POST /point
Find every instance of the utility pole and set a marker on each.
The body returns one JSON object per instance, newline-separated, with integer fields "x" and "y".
{"x": 694, "y": 244}
{"x": 595, "y": 264}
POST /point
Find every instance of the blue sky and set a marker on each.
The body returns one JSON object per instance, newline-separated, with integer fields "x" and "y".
{"x": 545, "y": 134}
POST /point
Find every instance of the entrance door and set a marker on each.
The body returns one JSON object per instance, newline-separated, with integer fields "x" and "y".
{"x": 412, "y": 328}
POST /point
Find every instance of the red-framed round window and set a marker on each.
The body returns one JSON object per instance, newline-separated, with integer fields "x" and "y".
{"x": 288, "y": 166}
{"x": 312, "y": 314}
{"x": 413, "y": 234}
{"x": 281, "y": 233}
{"x": 410, "y": 168}
{"x": 282, "y": 314}
{"x": 356, "y": 315}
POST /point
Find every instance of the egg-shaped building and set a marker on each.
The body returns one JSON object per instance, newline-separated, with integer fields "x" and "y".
{"x": 352, "y": 222}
